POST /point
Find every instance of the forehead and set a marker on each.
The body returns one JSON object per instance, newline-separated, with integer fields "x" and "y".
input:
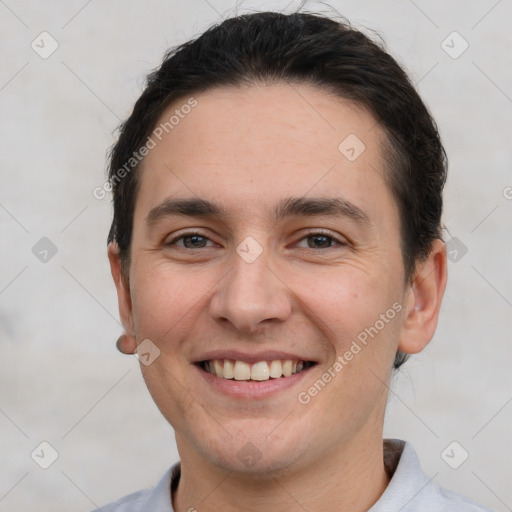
{"x": 252, "y": 144}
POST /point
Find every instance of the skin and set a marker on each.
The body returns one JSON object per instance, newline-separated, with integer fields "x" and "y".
{"x": 248, "y": 148}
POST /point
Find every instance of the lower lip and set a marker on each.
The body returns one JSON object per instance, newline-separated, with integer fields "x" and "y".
{"x": 250, "y": 388}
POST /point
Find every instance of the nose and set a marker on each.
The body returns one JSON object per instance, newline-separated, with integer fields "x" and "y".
{"x": 251, "y": 296}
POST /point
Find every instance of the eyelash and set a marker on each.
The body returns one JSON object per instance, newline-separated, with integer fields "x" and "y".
{"x": 308, "y": 235}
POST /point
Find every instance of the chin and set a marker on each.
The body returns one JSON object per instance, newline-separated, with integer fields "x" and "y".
{"x": 254, "y": 453}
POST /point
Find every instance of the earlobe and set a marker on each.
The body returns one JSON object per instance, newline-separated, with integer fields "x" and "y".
{"x": 424, "y": 300}
{"x": 123, "y": 290}
{"x": 126, "y": 344}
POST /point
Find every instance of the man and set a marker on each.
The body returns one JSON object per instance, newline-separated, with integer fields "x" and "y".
{"x": 276, "y": 251}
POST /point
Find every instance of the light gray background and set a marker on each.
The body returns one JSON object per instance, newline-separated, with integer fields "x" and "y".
{"x": 61, "y": 378}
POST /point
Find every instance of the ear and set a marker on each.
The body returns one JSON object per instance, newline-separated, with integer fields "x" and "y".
{"x": 423, "y": 300}
{"x": 123, "y": 293}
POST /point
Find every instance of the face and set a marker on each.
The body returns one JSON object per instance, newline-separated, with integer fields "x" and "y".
{"x": 262, "y": 235}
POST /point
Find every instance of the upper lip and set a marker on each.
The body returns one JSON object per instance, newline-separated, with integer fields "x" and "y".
{"x": 238, "y": 355}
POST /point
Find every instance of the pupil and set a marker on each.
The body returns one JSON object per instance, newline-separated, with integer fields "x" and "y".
{"x": 194, "y": 239}
{"x": 323, "y": 239}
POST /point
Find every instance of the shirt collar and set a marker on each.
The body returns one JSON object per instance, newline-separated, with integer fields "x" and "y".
{"x": 408, "y": 481}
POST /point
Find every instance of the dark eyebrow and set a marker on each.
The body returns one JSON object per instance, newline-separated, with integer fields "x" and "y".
{"x": 187, "y": 207}
{"x": 311, "y": 206}
{"x": 289, "y": 207}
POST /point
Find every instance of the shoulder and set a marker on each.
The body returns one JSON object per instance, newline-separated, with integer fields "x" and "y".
{"x": 156, "y": 499}
{"x": 410, "y": 490}
{"x": 444, "y": 500}
{"x": 130, "y": 503}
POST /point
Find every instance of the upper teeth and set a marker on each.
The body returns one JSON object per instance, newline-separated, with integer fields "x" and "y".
{"x": 262, "y": 370}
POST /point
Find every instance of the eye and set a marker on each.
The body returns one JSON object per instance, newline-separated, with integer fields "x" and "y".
{"x": 321, "y": 240}
{"x": 191, "y": 240}
{"x": 315, "y": 240}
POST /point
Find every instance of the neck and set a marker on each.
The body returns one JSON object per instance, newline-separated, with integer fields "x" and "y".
{"x": 350, "y": 479}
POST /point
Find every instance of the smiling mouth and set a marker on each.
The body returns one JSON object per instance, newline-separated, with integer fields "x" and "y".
{"x": 261, "y": 371}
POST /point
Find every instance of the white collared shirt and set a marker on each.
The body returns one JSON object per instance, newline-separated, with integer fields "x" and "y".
{"x": 409, "y": 489}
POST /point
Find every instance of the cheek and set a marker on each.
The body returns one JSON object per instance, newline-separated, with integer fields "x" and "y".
{"x": 163, "y": 300}
{"x": 360, "y": 317}
{"x": 345, "y": 301}
{"x": 164, "y": 311}
{"x": 161, "y": 314}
